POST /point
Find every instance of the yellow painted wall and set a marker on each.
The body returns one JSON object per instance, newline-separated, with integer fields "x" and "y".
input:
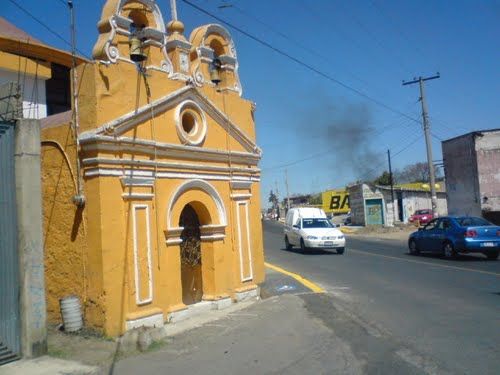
{"x": 99, "y": 253}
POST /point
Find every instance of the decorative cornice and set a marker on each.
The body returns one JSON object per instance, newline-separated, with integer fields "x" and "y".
{"x": 138, "y": 196}
{"x": 239, "y": 197}
{"x": 148, "y": 147}
{"x": 115, "y": 172}
{"x": 159, "y": 164}
{"x": 241, "y": 185}
{"x": 144, "y": 113}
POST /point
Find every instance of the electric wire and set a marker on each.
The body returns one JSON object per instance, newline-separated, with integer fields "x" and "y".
{"x": 325, "y": 152}
{"x": 54, "y": 33}
{"x": 293, "y": 41}
{"x": 302, "y": 63}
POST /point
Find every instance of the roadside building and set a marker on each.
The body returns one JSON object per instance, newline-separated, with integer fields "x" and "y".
{"x": 34, "y": 82}
{"x": 151, "y": 199}
{"x": 472, "y": 169}
{"x": 373, "y": 205}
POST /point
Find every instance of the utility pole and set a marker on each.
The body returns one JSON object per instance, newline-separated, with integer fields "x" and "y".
{"x": 287, "y": 191}
{"x": 427, "y": 132}
{"x": 392, "y": 185}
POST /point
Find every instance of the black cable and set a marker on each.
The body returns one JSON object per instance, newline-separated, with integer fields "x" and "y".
{"x": 322, "y": 153}
{"x": 56, "y": 34}
{"x": 300, "y": 62}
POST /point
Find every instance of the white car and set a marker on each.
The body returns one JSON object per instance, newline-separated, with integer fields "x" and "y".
{"x": 314, "y": 233}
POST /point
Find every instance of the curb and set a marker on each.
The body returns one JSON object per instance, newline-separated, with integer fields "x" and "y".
{"x": 308, "y": 284}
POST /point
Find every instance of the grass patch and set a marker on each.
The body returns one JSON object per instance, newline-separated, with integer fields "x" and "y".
{"x": 58, "y": 353}
{"x": 156, "y": 345}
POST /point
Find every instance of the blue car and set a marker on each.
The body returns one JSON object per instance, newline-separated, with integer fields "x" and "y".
{"x": 450, "y": 236}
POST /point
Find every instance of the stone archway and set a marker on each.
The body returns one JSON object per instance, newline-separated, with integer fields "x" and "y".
{"x": 191, "y": 268}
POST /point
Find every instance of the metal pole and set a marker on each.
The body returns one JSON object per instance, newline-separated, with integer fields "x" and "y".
{"x": 287, "y": 191}
{"x": 427, "y": 133}
{"x": 79, "y": 198}
{"x": 392, "y": 186}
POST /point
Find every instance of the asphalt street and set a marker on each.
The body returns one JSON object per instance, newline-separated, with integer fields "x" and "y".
{"x": 442, "y": 316}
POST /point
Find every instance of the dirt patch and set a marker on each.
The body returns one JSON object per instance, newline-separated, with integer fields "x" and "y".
{"x": 86, "y": 346}
{"x": 401, "y": 231}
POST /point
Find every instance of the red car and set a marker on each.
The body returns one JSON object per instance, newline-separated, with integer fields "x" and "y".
{"x": 422, "y": 216}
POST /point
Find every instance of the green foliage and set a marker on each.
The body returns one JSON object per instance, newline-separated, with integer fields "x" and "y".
{"x": 316, "y": 199}
{"x": 384, "y": 179}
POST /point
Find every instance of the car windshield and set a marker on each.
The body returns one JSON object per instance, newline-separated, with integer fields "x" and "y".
{"x": 316, "y": 223}
{"x": 422, "y": 212}
{"x": 473, "y": 222}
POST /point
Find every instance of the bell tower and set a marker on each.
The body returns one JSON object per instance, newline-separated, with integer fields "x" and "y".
{"x": 178, "y": 49}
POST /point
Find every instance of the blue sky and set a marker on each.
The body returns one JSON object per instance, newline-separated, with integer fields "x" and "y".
{"x": 324, "y": 134}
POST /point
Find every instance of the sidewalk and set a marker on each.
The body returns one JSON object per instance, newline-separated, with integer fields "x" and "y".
{"x": 88, "y": 354}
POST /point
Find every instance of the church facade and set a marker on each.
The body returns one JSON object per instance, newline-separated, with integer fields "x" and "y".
{"x": 151, "y": 189}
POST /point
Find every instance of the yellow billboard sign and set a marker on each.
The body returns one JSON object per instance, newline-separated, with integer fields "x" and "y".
{"x": 336, "y": 201}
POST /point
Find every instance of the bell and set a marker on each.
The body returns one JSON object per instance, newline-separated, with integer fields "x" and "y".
{"x": 215, "y": 76}
{"x": 136, "y": 54}
{"x": 214, "y": 71}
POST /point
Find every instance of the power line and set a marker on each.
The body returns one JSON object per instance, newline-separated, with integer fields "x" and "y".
{"x": 393, "y": 156}
{"x": 300, "y": 62}
{"x": 325, "y": 152}
{"x": 398, "y": 30}
{"x": 291, "y": 40}
{"x": 56, "y": 34}
{"x": 372, "y": 36}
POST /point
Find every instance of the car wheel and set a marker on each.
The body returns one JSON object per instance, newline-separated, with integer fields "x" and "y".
{"x": 412, "y": 245}
{"x": 449, "y": 251}
{"x": 288, "y": 245}
{"x": 493, "y": 255}
{"x": 302, "y": 245}
{"x": 341, "y": 250}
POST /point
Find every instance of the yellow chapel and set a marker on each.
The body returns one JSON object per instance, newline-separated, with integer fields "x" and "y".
{"x": 151, "y": 193}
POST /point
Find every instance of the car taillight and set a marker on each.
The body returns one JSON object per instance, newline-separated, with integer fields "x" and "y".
{"x": 498, "y": 233}
{"x": 470, "y": 233}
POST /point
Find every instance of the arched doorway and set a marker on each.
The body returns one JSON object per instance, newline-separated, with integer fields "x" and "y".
{"x": 191, "y": 277}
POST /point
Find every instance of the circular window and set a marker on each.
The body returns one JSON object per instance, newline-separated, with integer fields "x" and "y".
{"x": 191, "y": 123}
{"x": 188, "y": 122}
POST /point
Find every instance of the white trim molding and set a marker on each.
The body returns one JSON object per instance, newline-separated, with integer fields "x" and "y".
{"x": 154, "y": 321}
{"x": 115, "y": 172}
{"x": 241, "y": 185}
{"x": 199, "y": 131}
{"x": 240, "y": 241}
{"x": 204, "y": 186}
{"x": 248, "y": 294}
{"x": 241, "y": 196}
{"x": 137, "y": 276}
{"x": 138, "y": 196}
{"x": 212, "y": 237}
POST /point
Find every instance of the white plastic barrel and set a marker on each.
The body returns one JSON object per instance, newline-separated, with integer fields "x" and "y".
{"x": 71, "y": 313}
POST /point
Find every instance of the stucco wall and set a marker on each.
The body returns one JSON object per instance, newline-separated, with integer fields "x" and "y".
{"x": 64, "y": 226}
{"x": 462, "y": 186}
{"x": 357, "y": 204}
{"x": 488, "y": 163}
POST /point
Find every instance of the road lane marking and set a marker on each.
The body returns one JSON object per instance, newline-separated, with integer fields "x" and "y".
{"x": 427, "y": 263}
{"x": 308, "y": 284}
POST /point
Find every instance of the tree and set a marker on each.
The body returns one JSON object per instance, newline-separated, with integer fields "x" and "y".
{"x": 316, "y": 199}
{"x": 384, "y": 179}
{"x": 273, "y": 199}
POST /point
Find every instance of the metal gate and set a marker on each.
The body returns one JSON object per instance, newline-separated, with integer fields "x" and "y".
{"x": 10, "y": 347}
{"x": 374, "y": 212}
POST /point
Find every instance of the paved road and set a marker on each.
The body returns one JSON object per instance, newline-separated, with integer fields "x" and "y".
{"x": 442, "y": 316}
